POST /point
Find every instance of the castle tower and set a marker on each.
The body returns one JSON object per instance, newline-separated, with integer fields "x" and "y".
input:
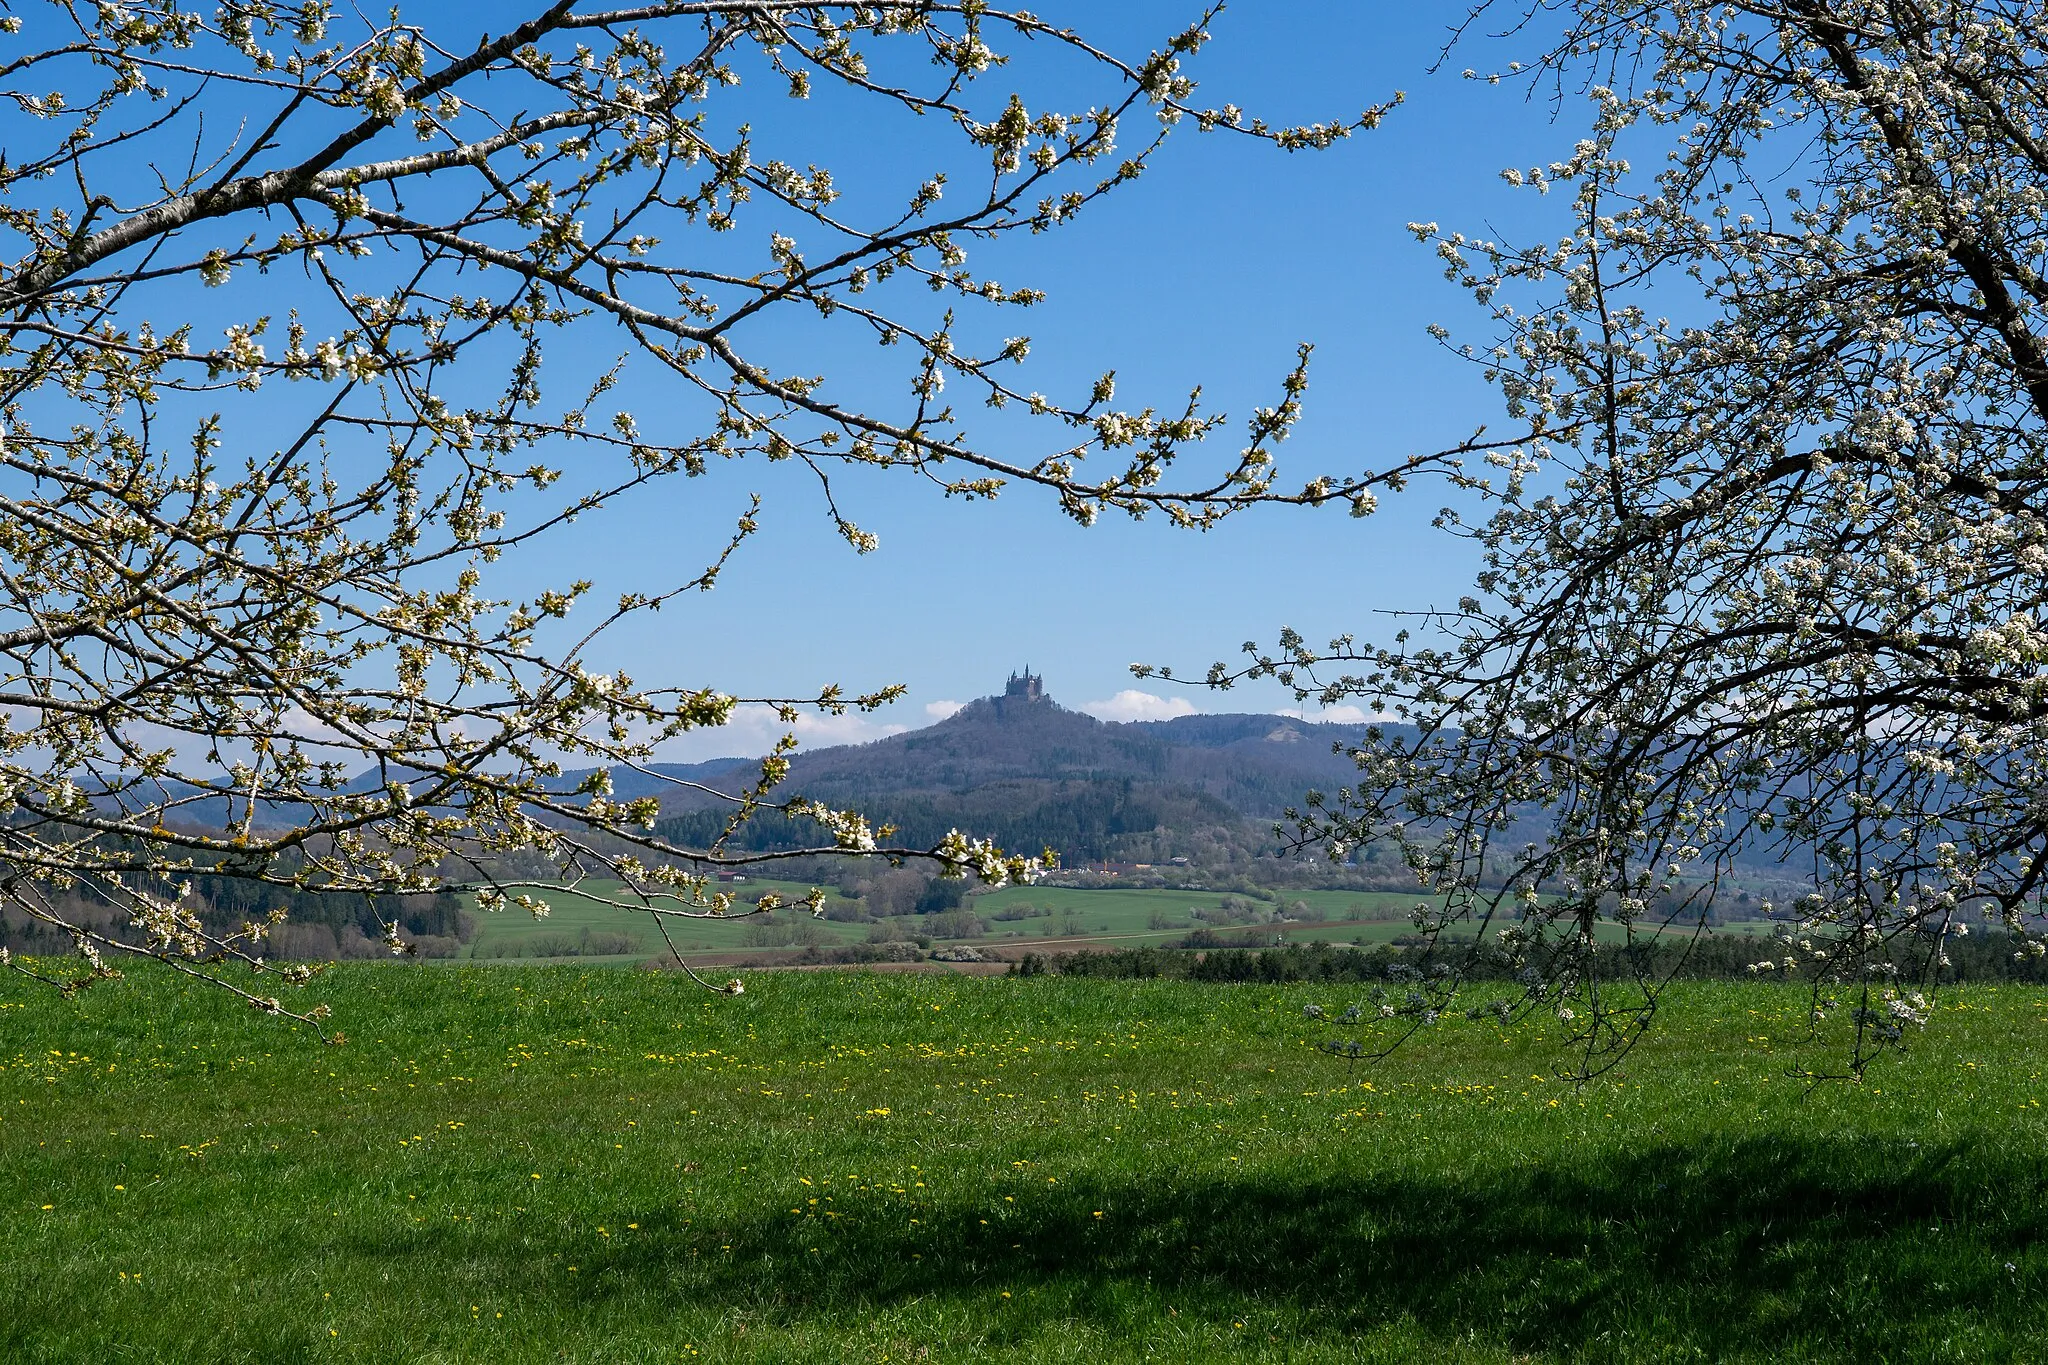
{"x": 1024, "y": 687}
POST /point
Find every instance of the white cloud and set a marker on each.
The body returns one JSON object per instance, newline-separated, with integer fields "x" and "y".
{"x": 1330, "y": 715}
{"x": 939, "y": 710}
{"x": 1131, "y": 704}
{"x": 753, "y": 730}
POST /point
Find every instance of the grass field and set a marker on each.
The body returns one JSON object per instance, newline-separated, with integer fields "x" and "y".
{"x": 1078, "y": 919}
{"x": 565, "y": 1164}
{"x": 512, "y": 933}
{"x": 1132, "y": 917}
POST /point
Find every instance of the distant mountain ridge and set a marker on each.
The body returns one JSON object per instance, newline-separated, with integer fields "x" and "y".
{"x": 1017, "y": 767}
{"x": 1025, "y": 770}
{"x": 1255, "y": 764}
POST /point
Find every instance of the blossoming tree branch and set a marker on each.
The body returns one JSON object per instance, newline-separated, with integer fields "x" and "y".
{"x": 297, "y": 319}
{"x": 1769, "y": 589}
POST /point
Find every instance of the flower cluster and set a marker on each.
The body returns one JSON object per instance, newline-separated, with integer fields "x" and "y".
{"x": 960, "y": 854}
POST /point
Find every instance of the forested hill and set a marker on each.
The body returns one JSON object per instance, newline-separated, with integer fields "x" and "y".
{"x": 1024, "y": 771}
{"x": 1255, "y": 765}
{"x": 1027, "y": 771}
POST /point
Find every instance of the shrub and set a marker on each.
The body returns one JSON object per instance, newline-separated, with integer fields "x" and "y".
{"x": 1022, "y": 911}
{"x": 954, "y": 924}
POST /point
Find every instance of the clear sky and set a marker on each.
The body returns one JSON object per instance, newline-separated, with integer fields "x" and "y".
{"x": 1209, "y": 270}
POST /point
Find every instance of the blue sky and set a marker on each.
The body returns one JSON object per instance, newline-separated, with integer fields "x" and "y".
{"x": 1209, "y": 270}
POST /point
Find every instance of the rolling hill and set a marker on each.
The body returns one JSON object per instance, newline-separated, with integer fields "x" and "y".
{"x": 1017, "y": 768}
{"x": 1026, "y": 771}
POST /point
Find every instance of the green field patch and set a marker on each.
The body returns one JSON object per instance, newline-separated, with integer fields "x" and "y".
{"x": 1076, "y": 919}
{"x": 582, "y": 925}
{"x": 1360, "y": 905}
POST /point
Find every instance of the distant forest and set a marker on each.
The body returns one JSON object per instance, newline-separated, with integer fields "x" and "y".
{"x": 1099, "y": 819}
{"x": 320, "y": 924}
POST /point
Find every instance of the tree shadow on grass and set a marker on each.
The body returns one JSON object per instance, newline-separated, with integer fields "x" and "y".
{"x": 1735, "y": 1247}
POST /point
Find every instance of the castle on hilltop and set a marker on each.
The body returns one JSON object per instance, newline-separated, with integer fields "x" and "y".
{"x": 1023, "y": 691}
{"x": 1025, "y": 686}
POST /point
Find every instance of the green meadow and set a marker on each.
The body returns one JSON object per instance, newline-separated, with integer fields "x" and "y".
{"x": 1054, "y": 919}
{"x": 573, "y": 919}
{"x": 599, "y": 1165}
{"x": 1073, "y": 918}
{"x": 1160, "y": 916}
